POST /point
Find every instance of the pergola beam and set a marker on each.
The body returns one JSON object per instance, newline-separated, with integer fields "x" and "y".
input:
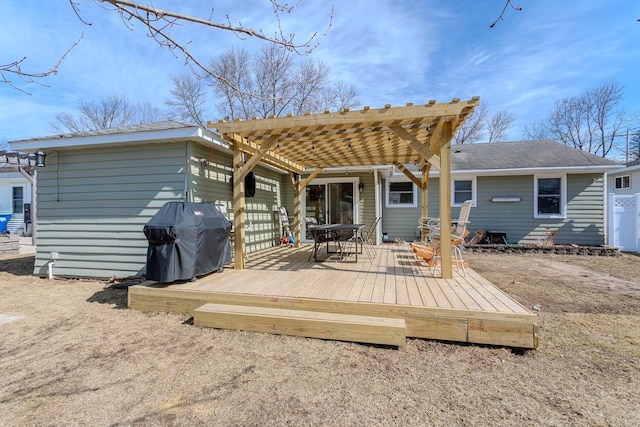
{"x": 422, "y": 149}
{"x": 270, "y": 158}
{"x": 346, "y": 117}
{"x": 408, "y": 174}
{"x": 256, "y": 157}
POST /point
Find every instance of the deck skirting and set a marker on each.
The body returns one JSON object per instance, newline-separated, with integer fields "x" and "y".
{"x": 395, "y": 285}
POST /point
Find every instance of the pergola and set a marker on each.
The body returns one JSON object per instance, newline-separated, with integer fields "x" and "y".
{"x": 413, "y": 134}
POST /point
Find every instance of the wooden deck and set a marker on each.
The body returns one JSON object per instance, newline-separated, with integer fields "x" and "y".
{"x": 393, "y": 285}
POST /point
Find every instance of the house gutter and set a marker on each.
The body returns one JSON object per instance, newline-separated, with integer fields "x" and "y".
{"x": 522, "y": 171}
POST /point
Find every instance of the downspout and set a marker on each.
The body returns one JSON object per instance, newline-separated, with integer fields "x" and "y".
{"x": 53, "y": 258}
{"x": 378, "y": 204}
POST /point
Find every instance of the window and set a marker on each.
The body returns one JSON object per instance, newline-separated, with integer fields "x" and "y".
{"x": 18, "y": 201}
{"x": 623, "y": 182}
{"x": 463, "y": 190}
{"x": 401, "y": 194}
{"x": 550, "y": 197}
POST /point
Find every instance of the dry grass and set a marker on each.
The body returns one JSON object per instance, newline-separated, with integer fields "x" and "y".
{"x": 79, "y": 357}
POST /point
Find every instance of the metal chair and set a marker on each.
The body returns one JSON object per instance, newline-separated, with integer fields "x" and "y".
{"x": 318, "y": 237}
{"x": 430, "y": 247}
{"x": 430, "y": 227}
{"x": 366, "y": 239}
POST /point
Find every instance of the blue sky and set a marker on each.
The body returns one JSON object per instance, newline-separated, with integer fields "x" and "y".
{"x": 394, "y": 52}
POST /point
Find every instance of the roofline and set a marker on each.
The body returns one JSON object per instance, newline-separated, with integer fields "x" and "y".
{"x": 197, "y": 133}
{"x": 523, "y": 171}
{"x": 625, "y": 169}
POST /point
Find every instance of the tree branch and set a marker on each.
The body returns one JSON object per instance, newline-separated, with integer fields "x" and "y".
{"x": 504, "y": 9}
{"x": 147, "y": 14}
{"x": 15, "y": 68}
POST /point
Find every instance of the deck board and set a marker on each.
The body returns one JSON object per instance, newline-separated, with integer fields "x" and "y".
{"x": 393, "y": 284}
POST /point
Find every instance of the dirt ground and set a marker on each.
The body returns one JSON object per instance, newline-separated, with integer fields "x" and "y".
{"x": 79, "y": 357}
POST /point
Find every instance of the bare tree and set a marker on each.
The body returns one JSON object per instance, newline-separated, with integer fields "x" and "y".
{"x": 472, "y": 130}
{"x": 338, "y": 97}
{"x": 591, "y": 122}
{"x": 273, "y": 84}
{"x": 188, "y": 99}
{"x": 147, "y": 112}
{"x": 634, "y": 146}
{"x": 113, "y": 111}
{"x": 536, "y": 130}
{"x": 498, "y": 125}
{"x": 160, "y": 23}
{"x": 235, "y": 99}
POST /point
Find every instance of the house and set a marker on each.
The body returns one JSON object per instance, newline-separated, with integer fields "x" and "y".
{"x": 624, "y": 207}
{"x": 525, "y": 189}
{"x": 16, "y": 187}
{"x": 98, "y": 189}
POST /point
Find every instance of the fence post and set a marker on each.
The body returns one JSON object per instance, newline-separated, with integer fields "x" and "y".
{"x": 637, "y": 221}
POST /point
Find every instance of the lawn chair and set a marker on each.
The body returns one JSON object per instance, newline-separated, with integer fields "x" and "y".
{"x": 430, "y": 227}
{"x": 286, "y": 237}
{"x": 429, "y": 250}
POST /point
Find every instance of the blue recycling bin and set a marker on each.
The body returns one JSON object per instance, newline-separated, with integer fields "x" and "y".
{"x": 4, "y": 220}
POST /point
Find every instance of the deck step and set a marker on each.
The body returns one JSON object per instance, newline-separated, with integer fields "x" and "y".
{"x": 313, "y": 324}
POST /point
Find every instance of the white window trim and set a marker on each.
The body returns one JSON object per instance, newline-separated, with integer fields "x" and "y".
{"x": 400, "y": 205}
{"x": 563, "y": 196}
{"x": 474, "y": 189}
{"x": 622, "y": 187}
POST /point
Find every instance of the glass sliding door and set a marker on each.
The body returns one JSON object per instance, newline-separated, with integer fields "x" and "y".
{"x": 340, "y": 203}
{"x": 330, "y": 201}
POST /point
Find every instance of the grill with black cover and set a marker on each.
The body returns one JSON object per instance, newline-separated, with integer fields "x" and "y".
{"x": 186, "y": 240}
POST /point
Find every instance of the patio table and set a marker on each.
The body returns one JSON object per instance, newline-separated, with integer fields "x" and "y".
{"x": 333, "y": 233}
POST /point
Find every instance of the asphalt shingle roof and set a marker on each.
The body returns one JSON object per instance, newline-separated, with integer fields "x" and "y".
{"x": 144, "y": 127}
{"x": 521, "y": 155}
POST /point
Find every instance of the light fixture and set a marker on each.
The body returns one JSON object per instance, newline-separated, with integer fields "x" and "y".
{"x": 204, "y": 163}
{"x": 361, "y": 187}
{"x": 40, "y": 159}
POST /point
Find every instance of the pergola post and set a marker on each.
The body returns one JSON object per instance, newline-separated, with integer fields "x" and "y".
{"x": 238, "y": 209}
{"x": 425, "y": 197}
{"x": 297, "y": 210}
{"x": 445, "y": 201}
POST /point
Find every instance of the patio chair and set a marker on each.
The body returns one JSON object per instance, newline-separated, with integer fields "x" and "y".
{"x": 286, "y": 227}
{"x": 366, "y": 239}
{"x": 430, "y": 227}
{"x": 429, "y": 250}
{"x": 318, "y": 237}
